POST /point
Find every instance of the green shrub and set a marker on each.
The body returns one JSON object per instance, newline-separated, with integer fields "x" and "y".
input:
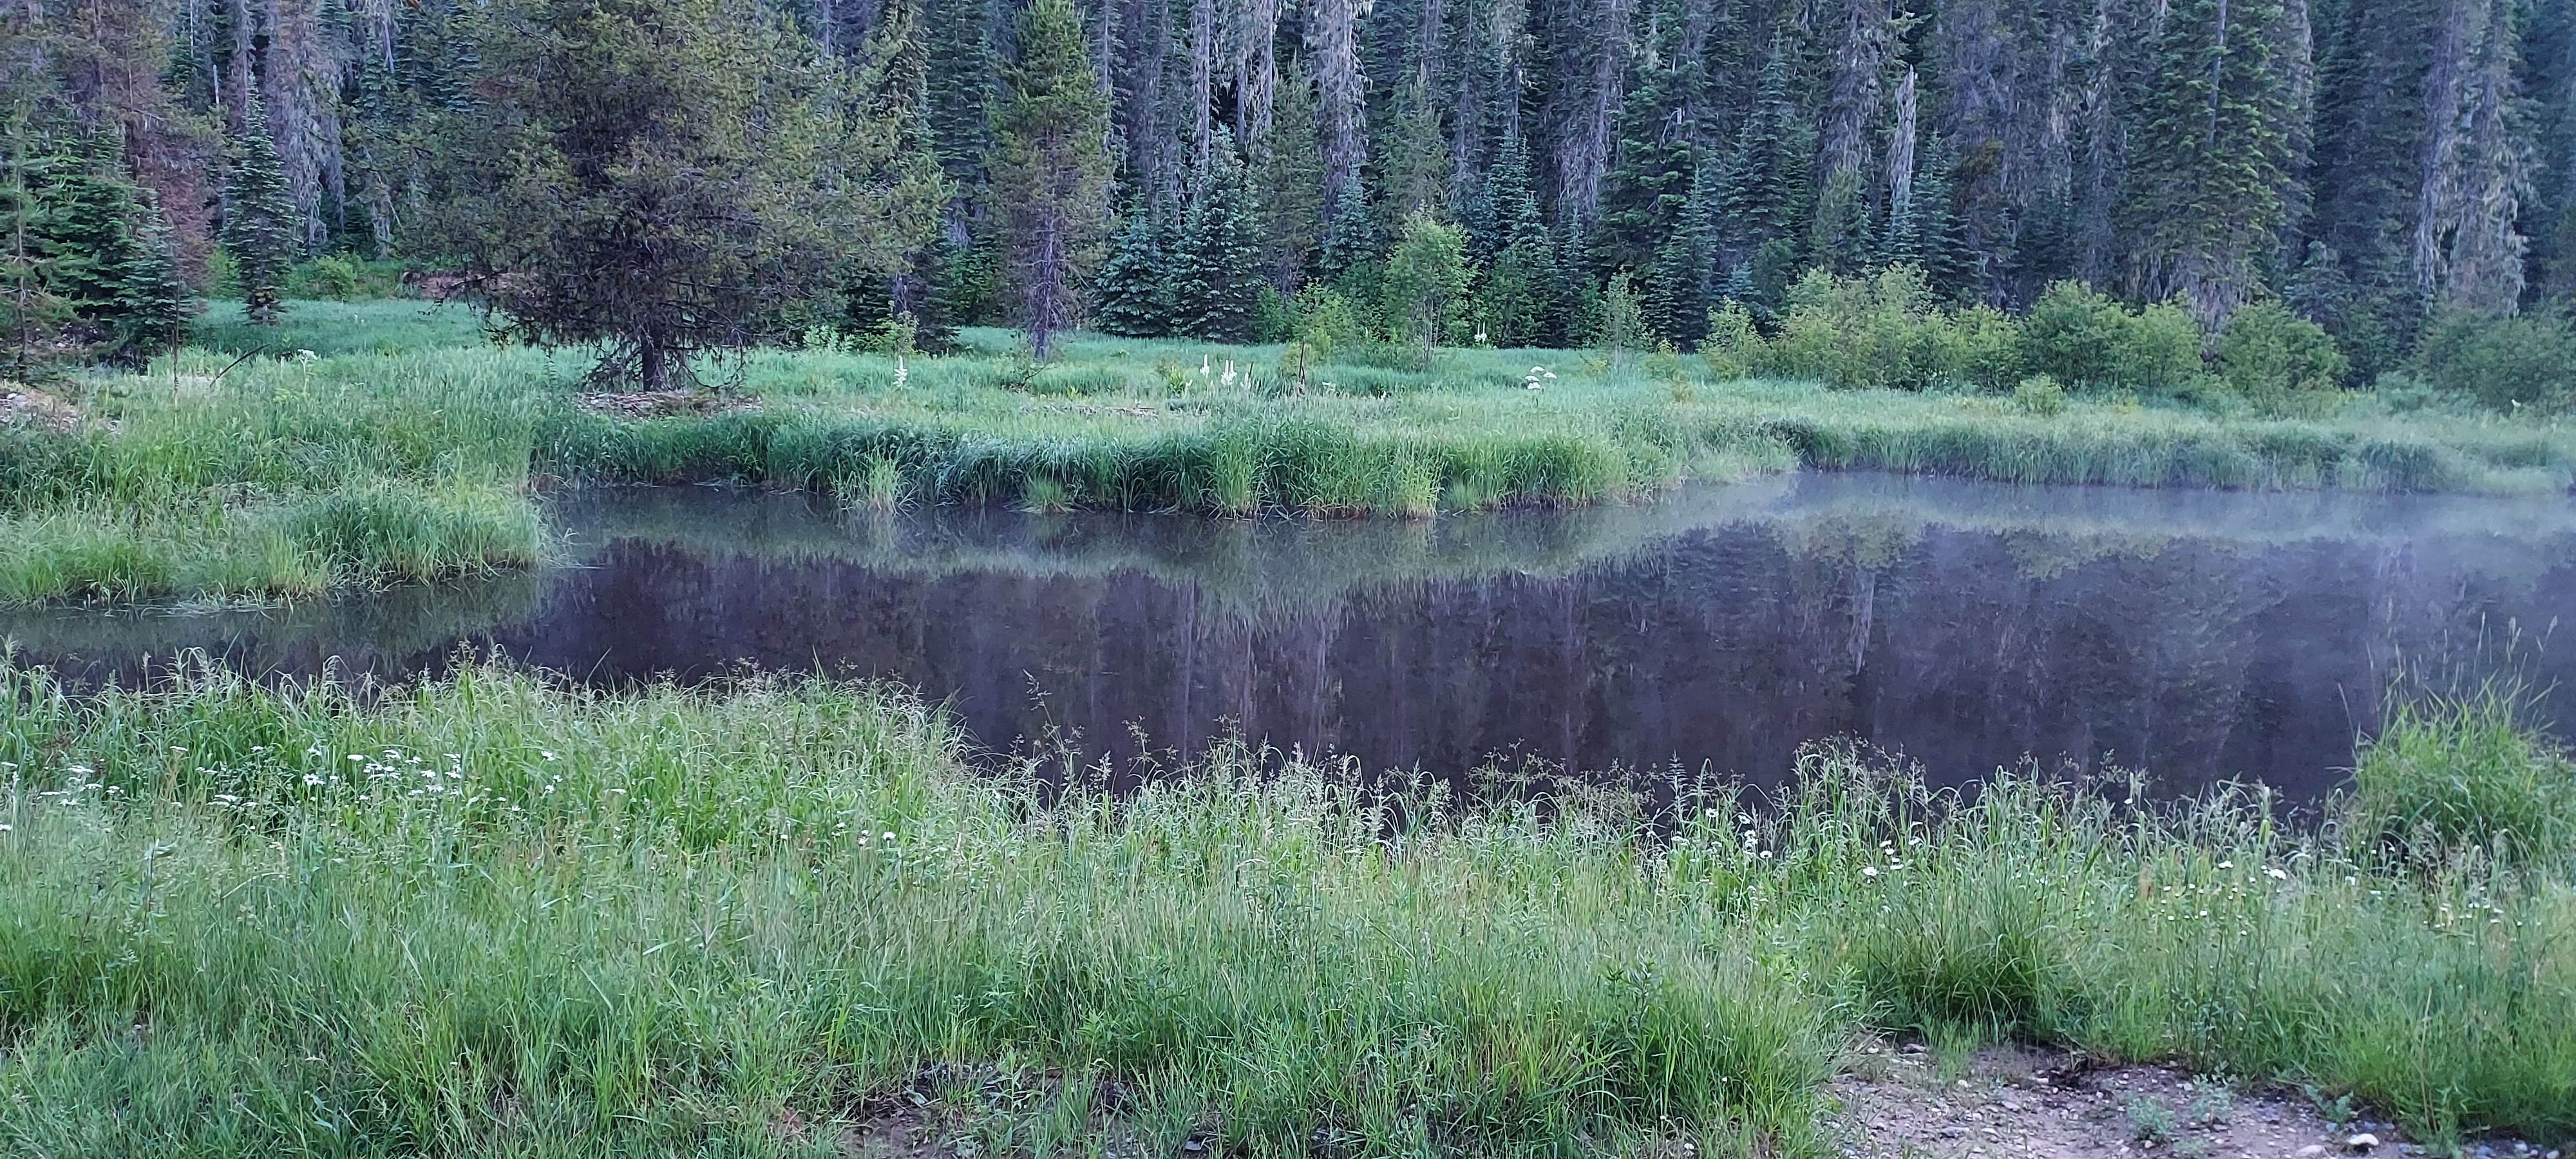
{"x": 1734, "y": 347}
{"x": 2039, "y": 395}
{"x": 2524, "y": 362}
{"x": 2089, "y": 341}
{"x": 1883, "y": 332}
{"x": 2270, "y": 357}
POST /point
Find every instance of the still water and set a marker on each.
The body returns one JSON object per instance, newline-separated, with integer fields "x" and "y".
{"x": 2195, "y": 635}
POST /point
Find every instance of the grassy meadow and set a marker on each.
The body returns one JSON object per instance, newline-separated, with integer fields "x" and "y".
{"x": 502, "y": 915}
{"x": 371, "y": 443}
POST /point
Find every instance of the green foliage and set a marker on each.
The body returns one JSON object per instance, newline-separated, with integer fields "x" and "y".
{"x": 2272, "y": 357}
{"x": 1620, "y": 328}
{"x": 2093, "y": 344}
{"x": 2039, "y": 396}
{"x": 666, "y": 178}
{"x": 1426, "y": 277}
{"x": 1050, "y": 174}
{"x": 1888, "y": 331}
{"x": 2462, "y": 777}
{"x": 2525, "y": 362}
{"x": 1733, "y": 348}
{"x": 261, "y": 228}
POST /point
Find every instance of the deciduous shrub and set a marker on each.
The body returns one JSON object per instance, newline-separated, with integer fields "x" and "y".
{"x": 2522, "y": 362}
{"x": 2271, "y": 357}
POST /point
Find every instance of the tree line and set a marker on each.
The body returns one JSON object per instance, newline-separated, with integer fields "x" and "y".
{"x": 684, "y": 175}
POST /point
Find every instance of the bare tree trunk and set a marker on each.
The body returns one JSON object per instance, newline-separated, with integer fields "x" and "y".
{"x": 1257, "y": 77}
{"x": 1202, "y": 81}
{"x": 1343, "y": 96}
{"x": 1860, "y": 60}
{"x": 1583, "y": 155}
{"x": 1900, "y": 149}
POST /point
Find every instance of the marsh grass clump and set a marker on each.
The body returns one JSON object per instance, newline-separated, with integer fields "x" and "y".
{"x": 2463, "y": 776}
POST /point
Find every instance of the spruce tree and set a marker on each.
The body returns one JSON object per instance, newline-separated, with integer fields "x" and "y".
{"x": 32, "y": 311}
{"x": 1677, "y": 287}
{"x": 1523, "y": 296}
{"x": 153, "y": 303}
{"x": 88, "y": 232}
{"x": 260, "y": 221}
{"x": 1130, "y": 297}
{"x": 1050, "y": 173}
{"x": 1763, "y": 187}
{"x": 1219, "y": 263}
{"x": 2210, "y": 153}
{"x": 1289, "y": 180}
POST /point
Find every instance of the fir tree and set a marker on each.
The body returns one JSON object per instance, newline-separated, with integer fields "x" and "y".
{"x": 153, "y": 303}
{"x": 1050, "y": 173}
{"x": 1523, "y": 298}
{"x": 1130, "y": 296}
{"x": 1289, "y": 180}
{"x": 260, "y": 221}
{"x": 1220, "y": 257}
{"x": 1677, "y": 288}
{"x": 1763, "y": 190}
{"x": 2210, "y": 153}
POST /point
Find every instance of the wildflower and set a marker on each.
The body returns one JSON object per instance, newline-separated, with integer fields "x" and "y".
{"x": 312, "y": 779}
{"x": 2277, "y": 873}
{"x": 1869, "y": 871}
{"x": 889, "y": 835}
{"x": 549, "y": 754}
{"x": 357, "y": 756}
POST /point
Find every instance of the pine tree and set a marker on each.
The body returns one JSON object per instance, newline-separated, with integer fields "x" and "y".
{"x": 1763, "y": 188}
{"x": 665, "y": 176}
{"x": 1648, "y": 188}
{"x": 1050, "y": 173}
{"x": 153, "y": 303}
{"x": 2210, "y": 155}
{"x": 1523, "y": 295}
{"x": 1220, "y": 257}
{"x": 1130, "y": 296}
{"x": 260, "y": 220}
{"x": 1289, "y": 180}
{"x": 33, "y": 312}
{"x": 90, "y": 212}
{"x": 1677, "y": 299}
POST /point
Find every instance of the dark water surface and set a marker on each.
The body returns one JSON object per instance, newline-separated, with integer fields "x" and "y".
{"x": 2197, "y": 635}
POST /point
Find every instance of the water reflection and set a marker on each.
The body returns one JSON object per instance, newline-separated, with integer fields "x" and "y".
{"x": 2199, "y": 635}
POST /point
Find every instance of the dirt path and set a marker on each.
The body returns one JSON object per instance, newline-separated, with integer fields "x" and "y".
{"x": 2011, "y": 1103}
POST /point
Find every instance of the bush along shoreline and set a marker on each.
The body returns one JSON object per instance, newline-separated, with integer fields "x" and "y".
{"x": 499, "y": 914}
{"x": 415, "y": 456}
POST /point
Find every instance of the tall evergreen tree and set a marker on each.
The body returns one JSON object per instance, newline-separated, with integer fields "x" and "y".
{"x": 1050, "y": 171}
{"x": 1132, "y": 295}
{"x": 2212, "y": 147}
{"x": 1288, "y": 179}
{"x": 153, "y": 303}
{"x": 1219, "y": 267}
{"x": 261, "y": 224}
{"x": 1523, "y": 294}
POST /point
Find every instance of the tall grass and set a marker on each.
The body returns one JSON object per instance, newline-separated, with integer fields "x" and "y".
{"x": 403, "y": 398}
{"x": 497, "y": 914}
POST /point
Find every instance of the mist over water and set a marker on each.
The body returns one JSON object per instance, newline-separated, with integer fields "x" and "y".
{"x": 2194, "y": 635}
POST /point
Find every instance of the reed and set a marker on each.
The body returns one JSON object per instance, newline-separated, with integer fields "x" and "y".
{"x": 499, "y": 913}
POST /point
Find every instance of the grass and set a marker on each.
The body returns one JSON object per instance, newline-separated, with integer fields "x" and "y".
{"x": 498, "y": 914}
{"x": 208, "y": 481}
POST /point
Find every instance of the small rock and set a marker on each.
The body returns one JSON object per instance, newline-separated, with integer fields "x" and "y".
{"x": 2361, "y": 1142}
{"x": 1194, "y": 1146}
{"x": 2311, "y": 1151}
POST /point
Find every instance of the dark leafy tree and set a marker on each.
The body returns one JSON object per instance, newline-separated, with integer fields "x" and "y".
{"x": 670, "y": 177}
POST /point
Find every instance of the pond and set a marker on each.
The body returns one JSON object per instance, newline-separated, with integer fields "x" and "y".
{"x": 2194, "y": 635}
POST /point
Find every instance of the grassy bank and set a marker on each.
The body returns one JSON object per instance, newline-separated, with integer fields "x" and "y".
{"x": 497, "y": 915}
{"x": 382, "y": 442}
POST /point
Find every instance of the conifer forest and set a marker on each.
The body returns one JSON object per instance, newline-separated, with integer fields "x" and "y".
{"x": 1515, "y": 172}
